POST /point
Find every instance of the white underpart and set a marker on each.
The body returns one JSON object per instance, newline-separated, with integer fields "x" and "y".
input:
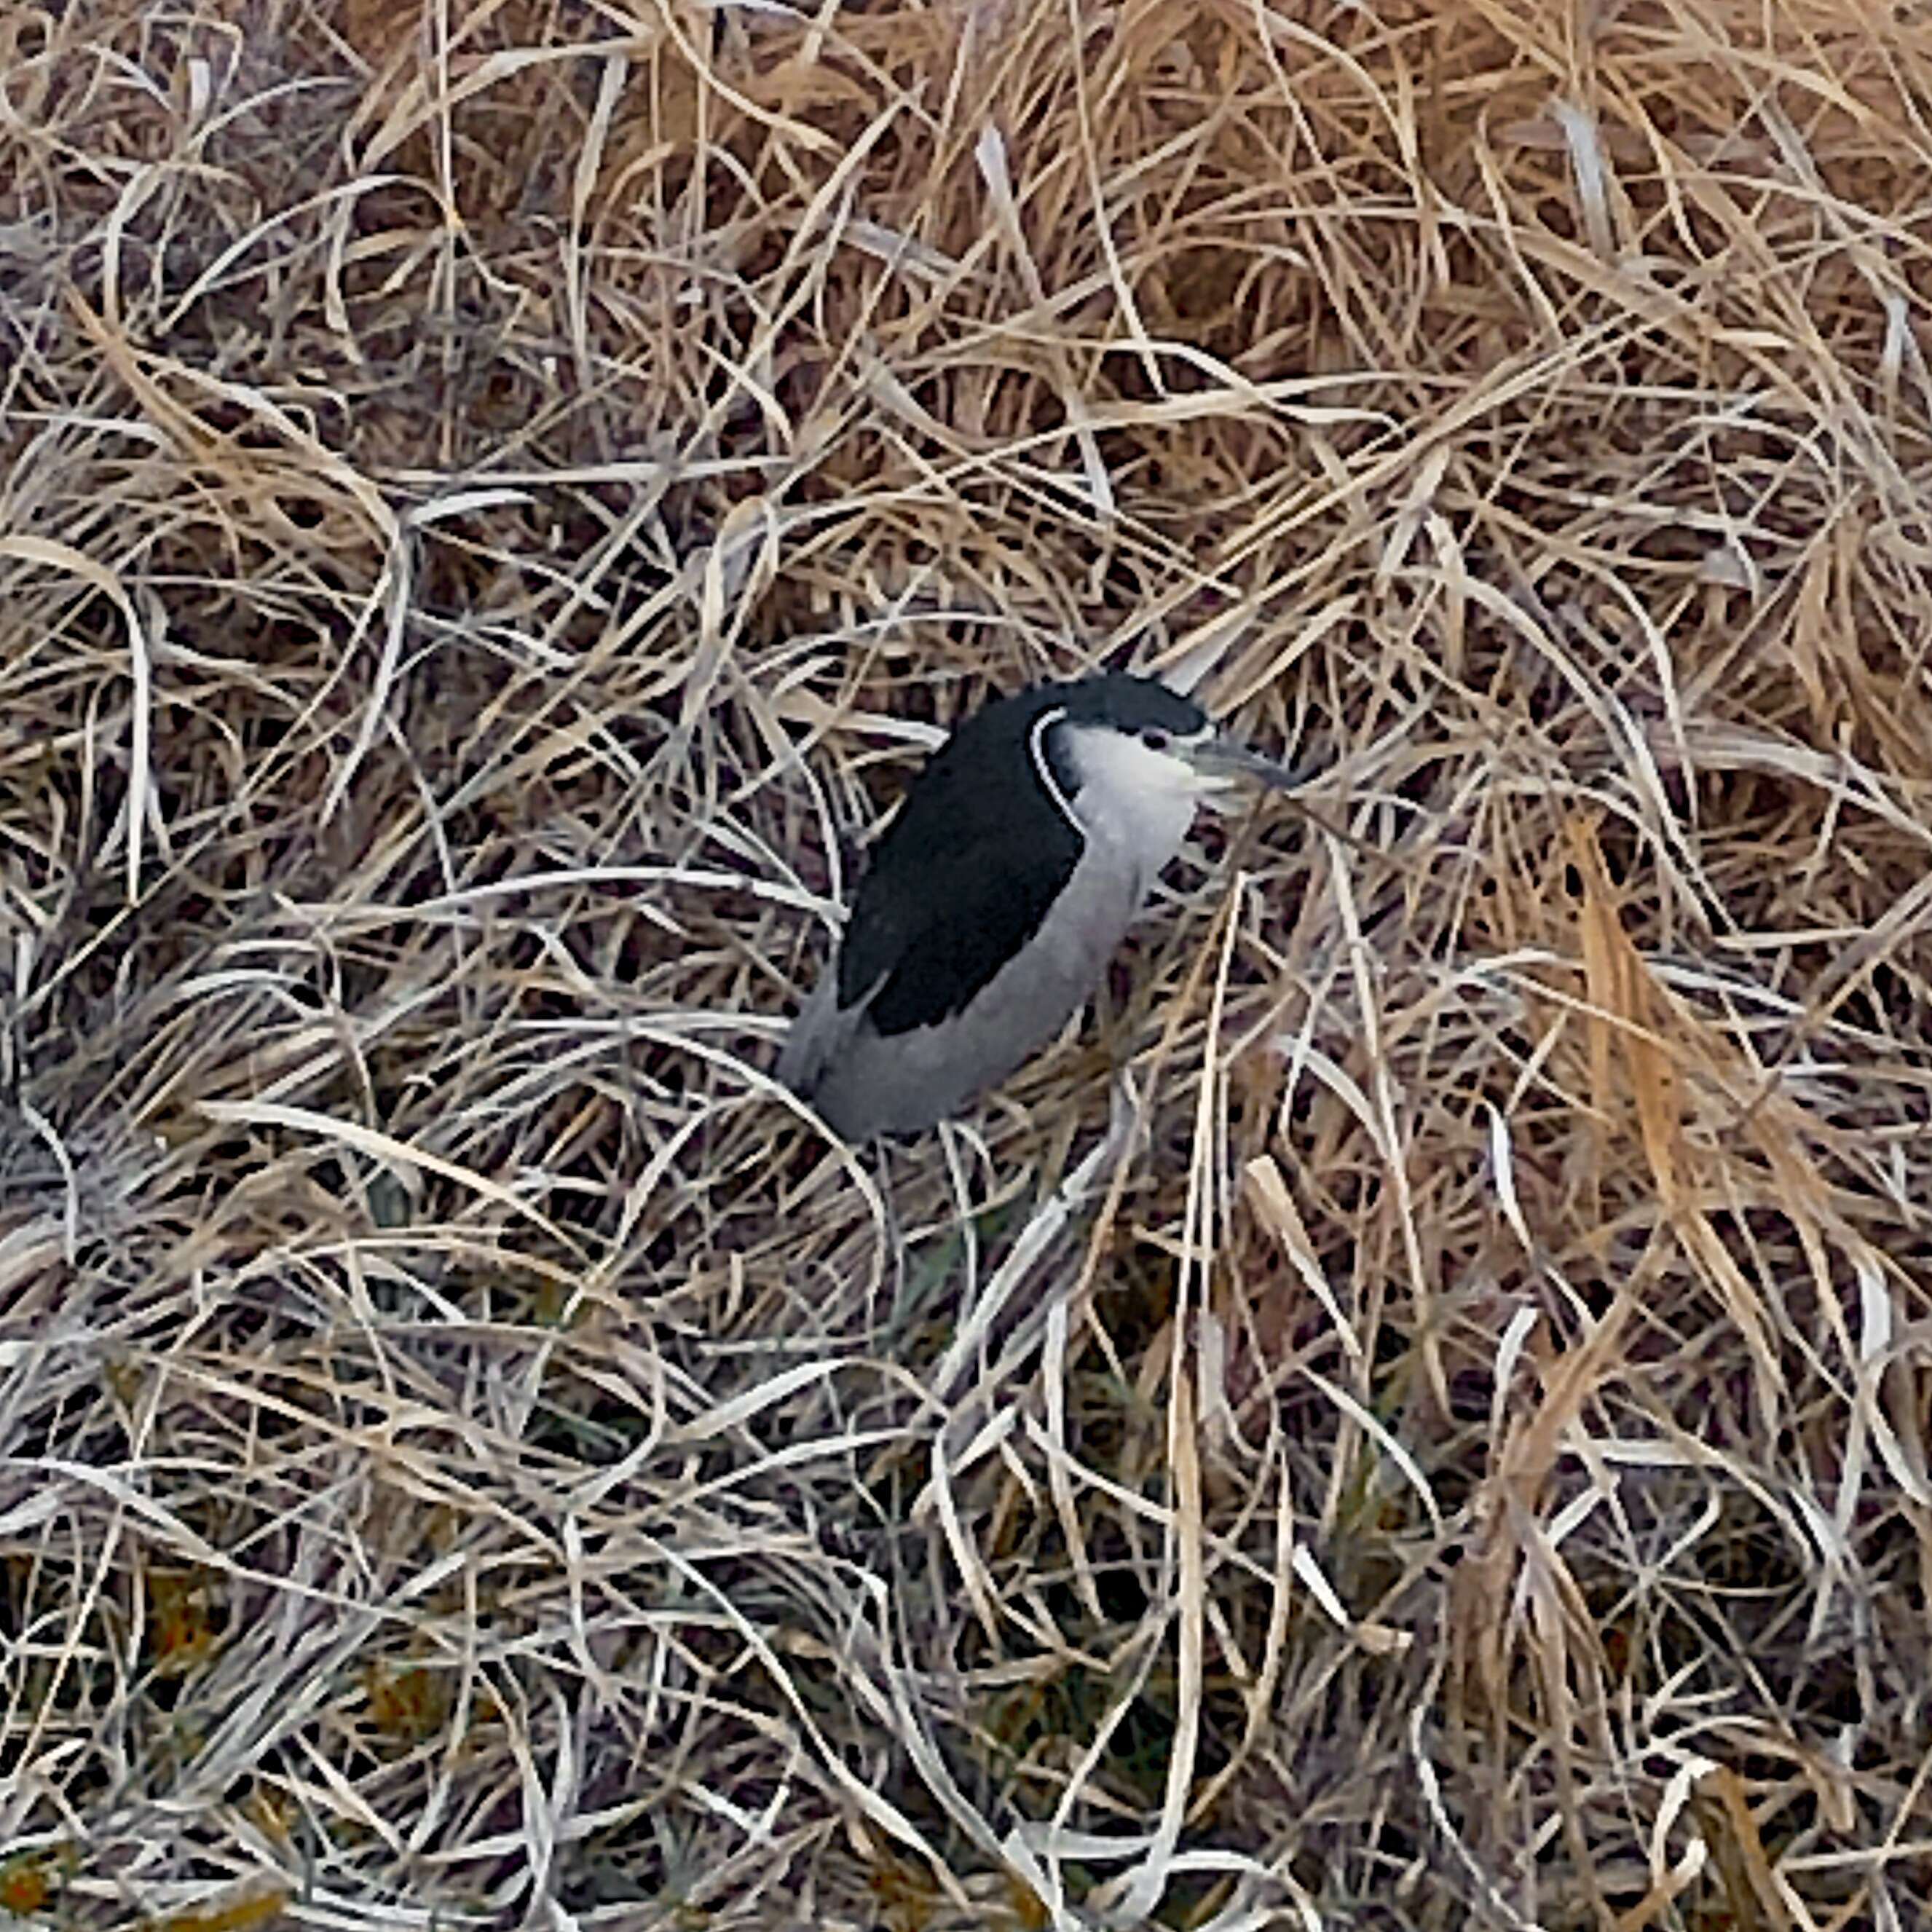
{"x": 1043, "y": 765}
{"x": 1137, "y": 800}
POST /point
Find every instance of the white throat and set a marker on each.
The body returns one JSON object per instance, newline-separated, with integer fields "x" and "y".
{"x": 1132, "y": 798}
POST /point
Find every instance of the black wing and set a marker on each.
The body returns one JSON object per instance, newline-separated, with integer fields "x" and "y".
{"x": 964, "y": 876}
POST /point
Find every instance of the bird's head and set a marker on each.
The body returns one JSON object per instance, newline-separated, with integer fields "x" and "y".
{"x": 1120, "y": 739}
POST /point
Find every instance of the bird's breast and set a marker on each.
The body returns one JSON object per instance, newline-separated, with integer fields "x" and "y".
{"x": 1133, "y": 832}
{"x": 1089, "y": 918}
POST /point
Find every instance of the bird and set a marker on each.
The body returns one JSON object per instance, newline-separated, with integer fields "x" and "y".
{"x": 998, "y": 894}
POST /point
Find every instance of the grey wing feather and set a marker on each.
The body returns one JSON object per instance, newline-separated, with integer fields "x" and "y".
{"x": 821, "y": 1034}
{"x": 816, "y": 1034}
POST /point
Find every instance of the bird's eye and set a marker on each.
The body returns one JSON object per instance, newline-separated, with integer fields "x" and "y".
{"x": 1155, "y": 740}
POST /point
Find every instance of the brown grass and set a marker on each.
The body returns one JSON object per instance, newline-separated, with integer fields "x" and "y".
{"x": 493, "y": 495}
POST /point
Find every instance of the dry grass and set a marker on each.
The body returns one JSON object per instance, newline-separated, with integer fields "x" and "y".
{"x": 491, "y": 492}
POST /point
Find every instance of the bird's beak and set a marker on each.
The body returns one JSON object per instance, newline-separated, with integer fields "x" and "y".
{"x": 1220, "y": 762}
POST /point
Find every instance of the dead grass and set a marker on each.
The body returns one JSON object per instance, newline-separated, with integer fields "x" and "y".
{"x": 491, "y": 494}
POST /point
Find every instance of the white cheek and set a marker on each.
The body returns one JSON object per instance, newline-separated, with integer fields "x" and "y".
{"x": 1134, "y": 797}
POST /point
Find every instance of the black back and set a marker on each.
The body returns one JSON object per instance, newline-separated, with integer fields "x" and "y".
{"x": 979, "y": 851}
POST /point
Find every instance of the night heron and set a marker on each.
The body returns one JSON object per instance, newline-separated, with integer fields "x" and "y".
{"x": 997, "y": 896}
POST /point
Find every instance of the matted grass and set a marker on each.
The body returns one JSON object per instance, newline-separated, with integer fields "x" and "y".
{"x": 1415, "y": 1417}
